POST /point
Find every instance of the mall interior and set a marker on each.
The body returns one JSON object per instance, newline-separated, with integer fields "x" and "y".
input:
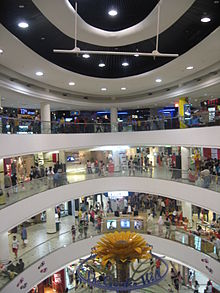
{"x": 109, "y": 146}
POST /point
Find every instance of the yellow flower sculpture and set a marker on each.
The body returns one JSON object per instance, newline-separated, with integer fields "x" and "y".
{"x": 122, "y": 246}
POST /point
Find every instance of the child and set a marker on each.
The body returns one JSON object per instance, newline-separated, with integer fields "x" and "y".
{"x": 15, "y": 245}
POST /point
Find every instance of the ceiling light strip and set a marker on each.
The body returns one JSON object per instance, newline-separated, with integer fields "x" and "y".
{"x": 154, "y": 53}
{"x": 78, "y": 51}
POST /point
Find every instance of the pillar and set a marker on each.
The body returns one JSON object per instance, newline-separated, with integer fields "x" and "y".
{"x": 4, "y": 248}
{"x": 51, "y": 222}
{"x": 73, "y": 211}
{"x": 114, "y": 119}
{"x": 116, "y": 160}
{"x": 45, "y": 118}
{"x": 185, "y": 162}
{"x": 182, "y": 102}
{"x": 187, "y": 212}
{"x": 1, "y": 111}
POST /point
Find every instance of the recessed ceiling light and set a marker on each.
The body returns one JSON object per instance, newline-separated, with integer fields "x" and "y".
{"x": 123, "y": 88}
{"x": 23, "y": 24}
{"x": 158, "y": 80}
{"x": 103, "y": 89}
{"x": 189, "y": 67}
{"x": 71, "y": 83}
{"x": 205, "y": 19}
{"x": 42, "y": 38}
{"x": 113, "y": 12}
{"x": 86, "y": 56}
{"x": 101, "y": 64}
{"x": 125, "y": 64}
{"x": 1, "y": 51}
{"x": 20, "y": 6}
{"x": 39, "y": 73}
{"x": 136, "y": 55}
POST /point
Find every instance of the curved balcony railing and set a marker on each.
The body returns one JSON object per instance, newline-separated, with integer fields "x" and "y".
{"x": 10, "y": 125}
{"x": 24, "y": 190}
{"x": 62, "y": 240}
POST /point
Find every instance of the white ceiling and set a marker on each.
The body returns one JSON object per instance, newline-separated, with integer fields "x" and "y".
{"x": 63, "y": 18}
{"x": 20, "y": 58}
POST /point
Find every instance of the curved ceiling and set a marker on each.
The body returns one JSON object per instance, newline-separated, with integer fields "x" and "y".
{"x": 130, "y": 12}
{"x": 184, "y": 34}
{"x": 63, "y": 19}
{"x": 27, "y": 62}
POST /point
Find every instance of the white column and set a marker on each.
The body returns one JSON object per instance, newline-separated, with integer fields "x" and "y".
{"x": 51, "y": 223}
{"x": 187, "y": 212}
{"x": 116, "y": 160}
{"x": 0, "y": 113}
{"x": 114, "y": 119}
{"x": 73, "y": 211}
{"x": 4, "y": 248}
{"x": 45, "y": 118}
{"x": 62, "y": 157}
{"x": 184, "y": 162}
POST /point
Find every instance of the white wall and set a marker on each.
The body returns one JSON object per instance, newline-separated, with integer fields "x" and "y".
{"x": 24, "y": 209}
{"x": 61, "y": 257}
{"x": 11, "y": 145}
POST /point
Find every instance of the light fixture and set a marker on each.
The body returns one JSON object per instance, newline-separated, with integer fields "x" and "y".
{"x": 103, "y": 89}
{"x": 23, "y": 24}
{"x": 113, "y": 12}
{"x": 21, "y": 6}
{"x": 125, "y": 64}
{"x": 39, "y": 73}
{"x": 101, "y": 64}
{"x": 136, "y": 55}
{"x": 71, "y": 83}
{"x": 158, "y": 80}
{"x": 123, "y": 88}
{"x": 1, "y": 51}
{"x": 189, "y": 67}
{"x": 205, "y": 19}
{"x": 76, "y": 50}
{"x": 86, "y": 56}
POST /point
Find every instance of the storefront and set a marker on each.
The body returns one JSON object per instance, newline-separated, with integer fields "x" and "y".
{"x": 20, "y": 166}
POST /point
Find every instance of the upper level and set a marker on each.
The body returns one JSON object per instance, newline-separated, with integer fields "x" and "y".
{"x": 12, "y": 145}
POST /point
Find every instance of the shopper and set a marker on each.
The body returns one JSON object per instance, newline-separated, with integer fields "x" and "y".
{"x": 168, "y": 228}
{"x": 176, "y": 284}
{"x": 217, "y": 245}
{"x": 7, "y": 183}
{"x": 208, "y": 288}
{"x": 157, "y": 270}
{"x": 20, "y": 266}
{"x": 24, "y": 235}
{"x": 85, "y": 228}
{"x": 15, "y": 246}
{"x": 196, "y": 287}
{"x": 14, "y": 182}
{"x": 172, "y": 275}
{"x": 73, "y": 231}
{"x": 160, "y": 226}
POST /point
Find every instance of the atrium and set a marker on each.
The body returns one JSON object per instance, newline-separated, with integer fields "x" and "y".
{"x": 109, "y": 146}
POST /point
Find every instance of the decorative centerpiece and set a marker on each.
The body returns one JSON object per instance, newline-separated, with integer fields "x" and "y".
{"x": 121, "y": 261}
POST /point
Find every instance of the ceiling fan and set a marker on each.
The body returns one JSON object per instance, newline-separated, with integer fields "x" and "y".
{"x": 154, "y": 53}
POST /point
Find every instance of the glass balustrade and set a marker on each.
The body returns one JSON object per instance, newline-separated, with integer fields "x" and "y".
{"x": 23, "y": 190}
{"x": 60, "y": 241}
{"x": 10, "y": 125}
